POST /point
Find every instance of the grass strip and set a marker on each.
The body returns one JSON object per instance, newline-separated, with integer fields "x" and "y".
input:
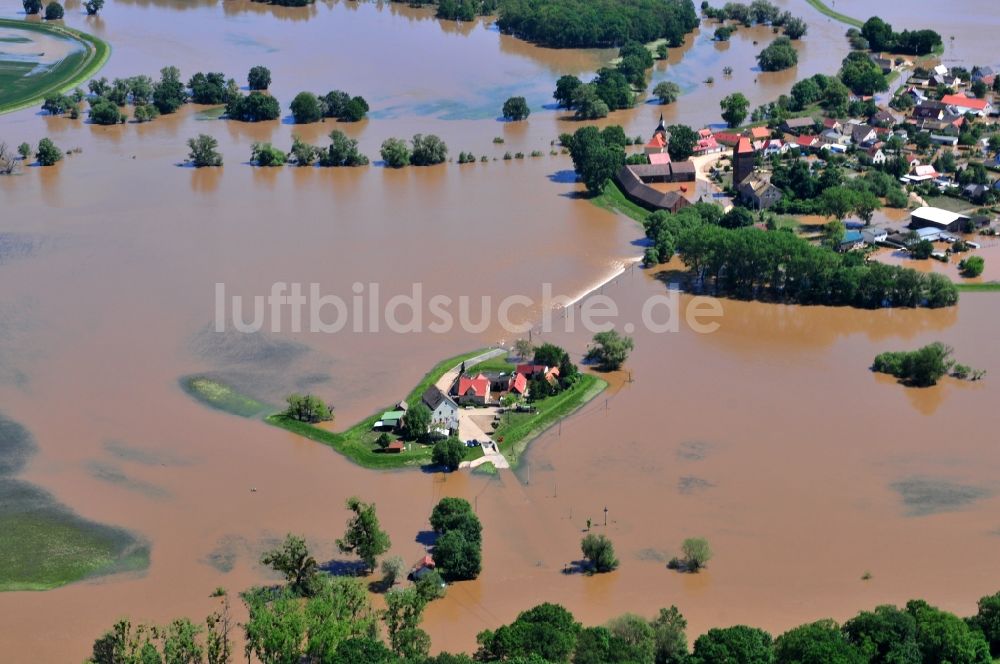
{"x": 74, "y": 70}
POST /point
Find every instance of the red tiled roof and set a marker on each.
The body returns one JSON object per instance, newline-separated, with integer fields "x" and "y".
{"x": 530, "y": 369}
{"x": 806, "y": 141}
{"x": 656, "y": 141}
{"x": 659, "y": 158}
{"x": 964, "y": 102}
{"x": 760, "y": 132}
{"x": 744, "y": 146}
{"x": 478, "y": 386}
{"x": 396, "y": 446}
{"x": 727, "y": 138}
{"x": 518, "y": 383}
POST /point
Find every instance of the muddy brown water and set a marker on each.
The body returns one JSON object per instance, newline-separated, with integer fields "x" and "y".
{"x": 769, "y": 437}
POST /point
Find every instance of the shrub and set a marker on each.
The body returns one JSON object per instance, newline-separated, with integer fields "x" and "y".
{"x": 48, "y": 154}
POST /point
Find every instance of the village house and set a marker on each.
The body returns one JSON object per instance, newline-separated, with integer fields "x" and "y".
{"x": 473, "y": 390}
{"x": 759, "y": 133}
{"x": 707, "y": 143}
{"x": 863, "y": 135}
{"x": 444, "y": 411}
{"x": 962, "y": 104}
{"x": 874, "y": 235}
{"x": 876, "y": 155}
{"x": 936, "y": 219}
{"x": 882, "y": 118}
{"x": 833, "y": 124}
{"x": 985, "y": 74}
{"x": 798, "y": 125}
{"x": 744, "y": 160}
{"x": 806, "y": 143}
{"x": 852, "y": 240}
{"x": 757, "y": 191}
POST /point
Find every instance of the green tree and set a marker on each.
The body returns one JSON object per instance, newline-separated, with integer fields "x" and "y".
{"x": 431, "y": 586}
{"x": 696, "y": 552}
{"x": 354, "y": 110}
{"x": 667, "y": 92}
{"x": 588, "y": 103}
{"x": 595, "y": 159}
{"x": 742, "y": 644}
{"x": 53, "y": 11}
{"x": 307, "y": 408}
{"x": 180, "y": 643}
{"x": 93, "y": 6}
{"x": 448, "y": 453}
{"x": 304, "y": 153}
{"x": 516, "y": 108}
{"x": 920, "y": 368}
{"x": 944, "y": 637}
{"x": 734, "y": 108}
{"x": 211, "y": 88}
{"x": 879, "y": 34}
{"x": 402, "y": 617}
{"x": 417, "y": 422}
{"x": 972, "y": 266}
{"x": 457, "y": 557}
{"x": 610, "y": 350}
{"x": 305, "y": 108}
{"x": 47, "y": 153}
{"x": 428, "y": 150}
{"x": 395, "y": 153}
{"x": 885, "y": 636}
{"x": 737, "y": 217}
{"x": 31, "y": 7}
{"x": 987, "y": 620}
{"x": 103, "y": 112}
{"x": 599, "y": 553}
{"x": 364, "y": 536}
{"x": 343, "y": 151}
{"x": 670, "y": 640}
{"x": 566, "y": 88}
{"x": 24, "y": 149}
{"x": 778, "y": 55}
{"x": 254, "y": 107}
{"x": 682, "y": 142}
{"x": 275, "y": 629}
{"x": 820, "y": 642}
{"x": 452, "y": 514}
{"x": 547, "y": 631}
{"x": 265, "y": 154}
{"x": 392, "y": 571}
{"x": 363, "y": 649}
{"x": 292, "y": 559}
{"x": 259, "y": 78}
{"x": 169, "y": 93}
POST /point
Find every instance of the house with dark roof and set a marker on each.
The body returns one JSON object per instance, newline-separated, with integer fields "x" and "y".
{"x": 757, "y": 191}
{"x": 863, "y": 135}
{"x": 798, "y": 125}
{"x": 635, "y": 182}
{"x": 444, "y": 411}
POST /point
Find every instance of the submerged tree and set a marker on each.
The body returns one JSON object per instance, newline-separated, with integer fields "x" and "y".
{"x": 364, "y": 536}
{"x": 292, "y": 559}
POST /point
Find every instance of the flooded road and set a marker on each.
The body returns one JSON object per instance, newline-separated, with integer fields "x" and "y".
{"x": 769, "y": 437}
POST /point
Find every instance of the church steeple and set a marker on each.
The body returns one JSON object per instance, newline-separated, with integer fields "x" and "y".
{"x": 661, "y": 128}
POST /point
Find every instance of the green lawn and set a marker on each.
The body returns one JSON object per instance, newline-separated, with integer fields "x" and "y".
{"x": 19, "y": 91}
{"x": 516, "y": 430}
{"x": 982, "y": 287}
{"x": 614, "y": 200}
{"x": 44, "y": 544}
{"x": 218, "y": 395}
{"x": 949, "y": 203}
{"x": 843, "y": 18}
{"x": 358, "y": 442}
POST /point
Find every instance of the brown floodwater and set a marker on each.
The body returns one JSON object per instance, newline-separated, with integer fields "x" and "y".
{"x": 770, "y": 437}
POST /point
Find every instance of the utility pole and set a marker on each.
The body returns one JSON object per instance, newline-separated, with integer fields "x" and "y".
{"x": 605, "y": 515}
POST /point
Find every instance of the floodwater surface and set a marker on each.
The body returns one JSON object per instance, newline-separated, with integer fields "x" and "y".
{"x": 769, "y": 437}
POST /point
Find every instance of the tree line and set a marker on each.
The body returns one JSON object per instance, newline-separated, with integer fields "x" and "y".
{"x": 758, "y": 12}
{"x": 611, "y": 89}
{"x": 881, "y": 37}
{"x": 749, "y": 263}
{"x": 597, "y": 23}
{"x": 338, "y": 625}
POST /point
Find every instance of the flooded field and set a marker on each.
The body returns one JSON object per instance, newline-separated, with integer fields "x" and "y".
{"x": 769, "y": 437}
